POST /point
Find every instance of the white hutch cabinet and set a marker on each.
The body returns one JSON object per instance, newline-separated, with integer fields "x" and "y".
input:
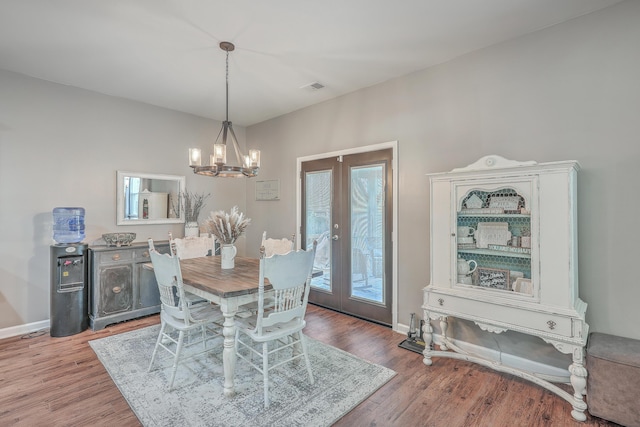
{"x": 504, "y": 255}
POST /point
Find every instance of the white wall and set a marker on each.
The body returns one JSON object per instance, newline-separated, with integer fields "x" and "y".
{"x": 61, "y": 146}
{"x": 566, "y": 92}
{"x": 569, "y": 92}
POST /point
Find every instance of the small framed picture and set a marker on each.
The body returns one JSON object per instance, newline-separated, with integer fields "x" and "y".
{"x": 494, "y": 278}
{"x": 268, "y": 190}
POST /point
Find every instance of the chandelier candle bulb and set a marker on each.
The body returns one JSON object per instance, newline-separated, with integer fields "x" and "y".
{"x": 219, "y": 154}
{"x": 195, "y": 157}
{"x": 254, "y": 157}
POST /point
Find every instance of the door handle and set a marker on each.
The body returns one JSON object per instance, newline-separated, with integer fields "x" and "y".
{"x": 335, "y": 237}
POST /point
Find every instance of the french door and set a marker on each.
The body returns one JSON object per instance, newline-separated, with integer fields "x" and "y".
{"x": 347, "y": 209}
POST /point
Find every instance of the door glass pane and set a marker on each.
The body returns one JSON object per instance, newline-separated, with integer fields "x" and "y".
{"x": 367, "y": 232}
{"x": 318, "y": 224}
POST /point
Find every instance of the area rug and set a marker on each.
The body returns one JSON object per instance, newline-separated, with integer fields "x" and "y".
{"x": 342, "y": 381}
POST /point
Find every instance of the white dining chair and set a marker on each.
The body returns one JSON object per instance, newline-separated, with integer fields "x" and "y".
{"x": 192, "y": 247}
{"x": 177, "y": 316}
{"x": 277, "y": 246}
{"x": 271, "y": 246}
{"x": 274, "y": 334}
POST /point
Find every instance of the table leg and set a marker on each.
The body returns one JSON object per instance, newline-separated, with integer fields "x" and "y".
{"x": 229, "y": 310}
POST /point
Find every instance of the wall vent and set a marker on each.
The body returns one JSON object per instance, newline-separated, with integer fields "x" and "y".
{"x": 313, "y": 86}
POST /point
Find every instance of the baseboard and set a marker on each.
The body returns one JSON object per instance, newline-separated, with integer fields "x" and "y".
{"x": 402, "y": 328}
{"x": 24, "y": 329}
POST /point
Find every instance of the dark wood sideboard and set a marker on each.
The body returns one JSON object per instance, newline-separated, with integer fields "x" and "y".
{"x": 119, "y": 287}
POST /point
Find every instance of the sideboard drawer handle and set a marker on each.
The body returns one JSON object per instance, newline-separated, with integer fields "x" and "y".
{"x": 115, "y": 257}
{"x": 551, "y": 324}
{"x": 145, "y": 254}
{"x": 440, "y": 301}
{"x": 116, "y": 289}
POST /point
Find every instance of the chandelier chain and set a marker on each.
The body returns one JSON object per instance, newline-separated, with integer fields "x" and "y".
{"x": 227, "y": 85}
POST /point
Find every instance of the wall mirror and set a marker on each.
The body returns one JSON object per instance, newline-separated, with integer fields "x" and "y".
{"x": 144, "y": 198}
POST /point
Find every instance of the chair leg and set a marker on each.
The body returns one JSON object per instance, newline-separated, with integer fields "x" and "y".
{"x": 265, "y": 372}
{"x": 155, "y": 350}
{"x": 176, "y": 359}
{"x": 204, "y": 336}
{"x": 303, "y": 341}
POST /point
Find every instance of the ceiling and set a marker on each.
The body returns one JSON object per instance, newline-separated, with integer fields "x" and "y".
{"x": 166, "y": 53}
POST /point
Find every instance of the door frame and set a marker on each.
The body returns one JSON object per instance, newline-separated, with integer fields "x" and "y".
{"x": 394, "y": 232}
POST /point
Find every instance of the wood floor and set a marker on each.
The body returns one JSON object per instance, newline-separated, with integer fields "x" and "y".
{"x": 48, "y": 381}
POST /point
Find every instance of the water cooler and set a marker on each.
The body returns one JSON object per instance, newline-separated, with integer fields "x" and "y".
{"x": 69, "y": 311}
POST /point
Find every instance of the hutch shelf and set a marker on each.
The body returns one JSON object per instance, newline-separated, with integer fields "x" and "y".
{"x": 504, "y": 256}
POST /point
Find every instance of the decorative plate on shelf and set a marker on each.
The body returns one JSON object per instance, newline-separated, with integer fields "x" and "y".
{"x": 473, "y": 202}
{"x": 509, "y": 203}
{"x": 496, "y": 233}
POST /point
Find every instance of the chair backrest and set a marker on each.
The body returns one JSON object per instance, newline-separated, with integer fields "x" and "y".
{"x": 192, "y": 247}
{"x": 290, "y": 277}
{"x": 169, "y": 277}
{"x": 278, "y": 246}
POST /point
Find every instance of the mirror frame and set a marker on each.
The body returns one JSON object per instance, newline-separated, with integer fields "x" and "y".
{"x": 120, "y": 205}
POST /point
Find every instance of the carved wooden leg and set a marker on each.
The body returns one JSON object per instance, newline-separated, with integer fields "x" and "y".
{"x": 443, "y": 326}
{"x": 579, "y": 383}
{"x": 229, "y": 352}
{"x": 427, "y": 334}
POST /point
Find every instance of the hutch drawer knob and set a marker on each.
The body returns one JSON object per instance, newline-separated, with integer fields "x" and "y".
{"x": 115, "y": 257}
{"x": 551, "y": 324}
{"x": 116, "y": 289}
{"x": 440, "y": 301}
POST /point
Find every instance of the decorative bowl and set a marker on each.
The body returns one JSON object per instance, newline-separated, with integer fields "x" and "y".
{"x": 119, "y": 239}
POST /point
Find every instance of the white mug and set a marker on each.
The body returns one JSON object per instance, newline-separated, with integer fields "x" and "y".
{"x": 464, "y": 231}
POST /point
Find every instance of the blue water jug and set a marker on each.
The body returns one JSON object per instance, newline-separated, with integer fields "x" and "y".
{"x": 68, "y": 225}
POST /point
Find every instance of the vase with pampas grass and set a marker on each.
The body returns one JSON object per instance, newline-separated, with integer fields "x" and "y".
{"x": 227, "y": 227}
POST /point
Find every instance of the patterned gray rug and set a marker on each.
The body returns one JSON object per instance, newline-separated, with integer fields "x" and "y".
{"x": 342, "y": 381}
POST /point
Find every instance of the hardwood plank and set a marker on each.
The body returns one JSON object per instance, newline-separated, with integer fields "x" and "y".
{"x": 47, "y": 381}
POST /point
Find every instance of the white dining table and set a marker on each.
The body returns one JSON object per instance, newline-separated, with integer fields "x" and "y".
{"x": 230, "y": 289}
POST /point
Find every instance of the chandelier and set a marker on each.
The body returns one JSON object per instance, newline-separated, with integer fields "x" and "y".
{"x": 247, "y": 165}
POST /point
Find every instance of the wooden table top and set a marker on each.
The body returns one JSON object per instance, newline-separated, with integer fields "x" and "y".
{"x": 206, "y": 274}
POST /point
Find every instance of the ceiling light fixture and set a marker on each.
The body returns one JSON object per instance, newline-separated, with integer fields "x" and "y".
{"x": 248, "y": 165}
